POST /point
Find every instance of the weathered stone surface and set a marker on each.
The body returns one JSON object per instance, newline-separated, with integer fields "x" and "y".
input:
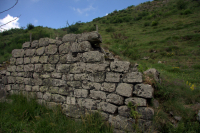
{"x": 47, "y": 96}
{"x": 39, "y": 95}
{"x": 93, "y": 56}
{"x": 11, "y": 68}
{"x": 136, "y": 101}
{"x": 53, "y": 59}
{"x": 28, "y": 74}
{"x": 17, "y": 53}
{"x": 121, "y": 122}
{"x": 91, "y": 85}
{"x": 36, "y": 81}
{"x": 15, "y": 87}
{"x": 143, "y": 90}
{"x": 36, "y": 88}
{"x": 68, "y": 77}
{"x": 81, "y": 47}
{"x": 11, "y": 79}
{"x": 146, "y": 113}
{"x": 27, "y": 60}
{"x": 52, "y": 105}
{"x": 49, "y": 67}
{"x": 21, "y": 86}
{"x": 124, "y": 89}
{"x": 58, "y": 98}
{"x": 65, "y": 90}
{"x": 80, "y": 77}
{"x": 53, "y": 90}
{"x": 40, "y": 51}
{"x": 64, "y": 48}
{"x": 77, "y": 68}
{"x": 97, "y": 77}
{"x": 19, "y": 61}
{"x": 93, "y": 37}
{"x": 97, "y": 94}
{"x": 29, "y": 68}
{"x": 36, "y": 75}
{"x": 154, "y": 72}
{"x": 124, "y": 111}
{"x": 45, "y": 75}
{"x": 146, "y": 126}
{"x": 198, "y": 116}
{"x": 43, "y": 42}
{"x": 107, "y": 107}
{"x": 71, "y": 100}
{"x": 69, "y": 38}
{"x": 26, "y": 45}
{"x": 41, "y": 102}
{"x": 80, "y": 93}
{"x": 51, "y": 49}
{"x": 8, "y": 87}
{"x": 88, "y": 103}
{"x": 4, "y": 80}
{"x": 19, "y": 80}
{"x": 120, "y": 66}
{"x": 7, "y": 74}
{"x": 73, "y": 111}
{"x": 133, "y": 77}
{"x": 35, "y": 59}
{"x": 35, "y": 44}
{"x": 29, "y": 52}
{"x": 47, "y": 82}
{"x": 54, "y": 41}
{"x": 69, "y": 58}
{"x": 12, "y": 61}
{"x": 63, "y": 68}
{"x": 114, "y": 98}
{"x": 43, "y": 59}
{"x": 38, "y": 68}
{"x": 112, "y": 77}
{"x": 20, "y": 68}
{"x": 109, "y": 87}
{"x": 58, "y": 82}
{"x": 56, "y": 75}
{"x": 28, "y": 87}
{"x": 96, "y": 67}
{"x": 43, "y": 88}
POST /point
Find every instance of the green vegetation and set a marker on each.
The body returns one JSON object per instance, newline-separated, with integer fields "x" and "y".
{"x": 28, "y": 116}
{"x": 163, "y": 31}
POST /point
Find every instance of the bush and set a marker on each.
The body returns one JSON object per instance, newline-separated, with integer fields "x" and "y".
{"x": 146, "y": 24}
{"x": 110, "y": 29}
{"x": 30, "y": 26}
{"x": 185, "y": 12}
{"x": 154, "y": 23}
{"x": 181, "y": 4}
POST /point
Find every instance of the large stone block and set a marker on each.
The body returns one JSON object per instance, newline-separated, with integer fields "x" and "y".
{"x": 58, "y": 98}
{"x": 11, "y": 79}
{"x": 27, "y": 60}
{"x": 69, "y": 38}
{"x": 68, "y": 77}
{"x": 80, "y": 93}
{"x": 88, "y": 104}
{"x": 133, "y": 77}
{"x": 65, "y": 90}
{"x": 91, "y": 85}
{"x": 15, "y": 87}
{"x": 71, "y": 100}
{"x": 147, "y": 113}
{"x": 53, "y": 90}
{"x": 56, "y": 75}
{"x": 58, "y": 82}
{"x": 40, "y": 51}
{"x": 136, "y": 101}
{"x": 54, "y": 41}
{"x": 81, "y": 47}
{"x": 29, "y": 52}
{"x": 124, "y": 89}
{"x": 45, "y": 75}
{"x": 19, "y": 80}
{"x": 97, "y": 77}
{"x": 143, "y": 90}
{"x": 93, "y": 56}
{"x": 51, "y": 49}
{"x": 35, "y": 59}
{"x": 113, "y": 77}
{"x": 29, "y": 68}
{"x": 120, "y": 66}
{"x": 114, "y": 98}
{"x": 35, "y": 44}
{"x": 69, "y": 58}
{"x": 63, "y": 68}
{"x": 11, "y": 68}
{"x": 96, "y": 67}
{"x": 20, "y": 68}
{"x": 64, "y": 48}
{"x": 28, "y": 87}
{"x": 53, "y": 59}
{"x": 38, "y": 68}
{"x": 124, "y": 111}
{"x": 26, "y": 45}
{"x": 73, "y": 111}
{"x": 83, "y": 76}
{"x": 49, "y": 67}
{"x": 19, "y": 61}
{"x": 39, "y": 95}
{"x": 17, "y": 53}
{"x": 93, "y": 37}
{"x": 37, "y": 81}
{"x": 35, "y": 88}
{"x": 44, "y": 88}
{"x": 107, "y": 107}
{"x": 97, "y": 94}
{"x": 43, "y": 42}
{"x": 109, "y": 87}
{"x": 43, "y": 59}
{"x": 12, "y": 61}
{"x": 122, "y": 123}
{"x": 77, "y": 68}
{"x": 47, "y": 96}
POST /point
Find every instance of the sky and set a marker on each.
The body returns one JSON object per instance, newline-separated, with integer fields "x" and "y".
{"x": 56, "y": 13}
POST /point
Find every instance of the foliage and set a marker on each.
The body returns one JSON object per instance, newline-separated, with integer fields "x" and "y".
{"x": 30, "y": 26}
{"x": 146, "y": 24}
{"x": 181, "y": 4}
{"x": 154, "y": 23}
{"x": 110, "y": 29}
{"x": 73, "y": 28}
{"x": 186, "y": 12}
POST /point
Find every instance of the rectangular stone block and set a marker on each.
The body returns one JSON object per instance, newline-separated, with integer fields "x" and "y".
{"x": 20, "y": 68}
{"x": 29, "y": 68}
{"x": 29, "y": 52}
{"x": 71, "y": 100}
{"x": 49, "y": 67}
{"x": 93, "y": 56}
{"x": 35, "y": 59}
{"x": 51, "y": 49}
{"x": 27, "y": 60}
{"x": 63, "y": 68}
{"x": 97, "y": 94}
{"x": 43, "y": 59}
{"x": 80, "y": 93}
{"x": 107, "y": 107}
{"x": 97, "y": 77}
{"x": 133, "y": 77}
{"x": 113, "y": 77}
{"x": 19, "y": 61}
{"x": 17, "y": 53}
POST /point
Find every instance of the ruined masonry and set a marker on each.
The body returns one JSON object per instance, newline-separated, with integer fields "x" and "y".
{"x": 76, "y": 74}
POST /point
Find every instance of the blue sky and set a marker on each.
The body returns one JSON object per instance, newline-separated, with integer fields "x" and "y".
{"x": 55, "y": 13}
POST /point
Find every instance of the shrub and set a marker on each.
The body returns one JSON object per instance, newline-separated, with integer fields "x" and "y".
{"x": 181, "y": 4}
{"x": 110, "y": 29}
{"x": 30, "y": 26}
{"x": 146, "y": 24}
{"x": 185, "y": 12}
{"x": 154, "y": 23}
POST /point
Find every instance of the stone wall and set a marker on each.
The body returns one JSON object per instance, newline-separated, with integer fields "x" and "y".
{"x": 76, "y": 74}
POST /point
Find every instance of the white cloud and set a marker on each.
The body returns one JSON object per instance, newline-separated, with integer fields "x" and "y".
{"x": 13, "y": 24}
{"x": 106, "y": 14}
{"x": 35, "y": 21}
{"x": 81, "y": 11}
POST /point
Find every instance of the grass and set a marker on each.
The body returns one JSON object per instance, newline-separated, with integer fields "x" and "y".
{"x": 163, "y": 31}
{"x": 24, "y": 115}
